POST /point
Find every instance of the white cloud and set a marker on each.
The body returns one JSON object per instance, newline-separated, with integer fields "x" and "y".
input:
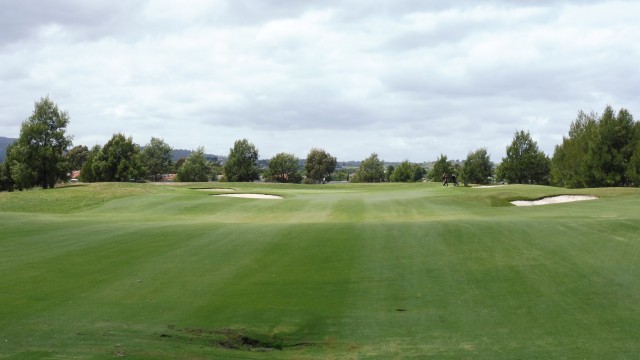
{"x": 404, "y": 79}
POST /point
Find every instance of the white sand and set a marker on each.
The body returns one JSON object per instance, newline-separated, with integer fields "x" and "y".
{"x": 253, "y": 196}
{"x": 554, "y": 200}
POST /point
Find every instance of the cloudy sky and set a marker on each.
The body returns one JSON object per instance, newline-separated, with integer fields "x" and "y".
{"x": 406, "y": 79}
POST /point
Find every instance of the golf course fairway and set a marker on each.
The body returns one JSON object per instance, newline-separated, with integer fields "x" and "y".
{"x": 338, "y": 271}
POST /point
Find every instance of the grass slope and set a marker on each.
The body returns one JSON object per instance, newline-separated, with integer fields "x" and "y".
{"x": 339, "y": 271}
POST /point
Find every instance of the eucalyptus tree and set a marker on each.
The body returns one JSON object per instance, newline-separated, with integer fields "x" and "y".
{"x": 242, "y": 163}
{"x": 156, "y": 158}
{"x": 319, "y": 165}
{"x": 37, "y": 157}
{"x": 196, "y": 168}
{"x": 371, "y": 170}
{"x": 406, "y": 172}
{"x": 77, "y": 156}
{"x": 283, "y": 168}
{"x": 442, "y": 166}
{"x": 118, "y": 160}
{"x": 477, "y": 168}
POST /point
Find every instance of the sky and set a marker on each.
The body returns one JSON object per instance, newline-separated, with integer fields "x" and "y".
{"x": 405, "y": 79}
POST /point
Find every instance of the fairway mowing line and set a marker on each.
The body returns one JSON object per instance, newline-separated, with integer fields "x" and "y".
{"x": 554, "y": 200}
{"x": 215, "y": 189}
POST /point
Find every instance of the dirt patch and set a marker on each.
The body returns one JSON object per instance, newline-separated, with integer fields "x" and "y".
{"x": 554, "y": 200}
{"x": 232, "y": 339}
{"x": 237, "y": 340}
{"x": 253, "y": 196}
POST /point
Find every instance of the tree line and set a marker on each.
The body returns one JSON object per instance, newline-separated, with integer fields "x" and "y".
{"x": 598, "y": 151}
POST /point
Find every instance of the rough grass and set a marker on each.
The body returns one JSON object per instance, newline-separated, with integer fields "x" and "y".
{"x": 341, "y": 271}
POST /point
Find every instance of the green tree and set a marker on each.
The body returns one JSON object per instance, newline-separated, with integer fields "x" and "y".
{"x": 407, "y": 172}
{"x": 242, "y": 164}
{"x": 6, "y": 181}
{"x": 77, "y": 156}
{"x": 118, "y": 160}
{"x": 371, "y": 170}
{"x": 196, "y": 167}
{"x": 402, "y": 173}
{"x": 87, "y": 172}
{"x": 37, "y": 157}
{"x": 570, "y": 165}
{"x": 156, "y": 158}
{"x": 524, "y": 162}
{"x": 612, "y": 149}
{"x": 319, "y": 165}
{"x": 477, "y": 168}
{"x": 633, "y": 168}
{"x": 340, "y": 175}
{"x": 283, "y": 168}
{"x": 598, "y": 151}
{"x": 388, "y": 173}
{"x": 418, "y": 172}
{"x": 178, "y": 164}
{"x": 440, "y": 167}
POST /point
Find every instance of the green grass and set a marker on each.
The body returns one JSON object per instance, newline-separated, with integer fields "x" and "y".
{"x": 335, "y": 271}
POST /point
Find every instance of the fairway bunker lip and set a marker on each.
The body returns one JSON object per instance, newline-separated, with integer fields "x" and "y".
{"x": 252, "y": 196}
{"x": 216, "y": 189}
{"x": 560, "y": 199}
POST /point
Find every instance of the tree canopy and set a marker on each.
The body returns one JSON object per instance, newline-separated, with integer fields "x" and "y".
{"x": 319, "y": 165}
{"x": 524, "y": 163}
{"x": 77, "y": 156}
{"x": 242, "y": 163}
{"x": 371, "y": 170}
{"x": 118, "y": 160}
{"x": 440, "y": 167}
{"x": 598, "y": 151}
{"x": 196, "y": 167}
{"x": 156, "y": 158}
{"x": 477, "y": 168}
{"x": 37, "y": 157}
{"x": 283, "y": 168}
{"x": 6, "y": 181}
{"x": 88, "y": 171}
{"x": 406, "y": 172}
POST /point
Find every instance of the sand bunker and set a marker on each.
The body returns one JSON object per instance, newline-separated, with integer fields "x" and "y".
{"x": 554, "y": 200}
{"x": 253, "y": 196}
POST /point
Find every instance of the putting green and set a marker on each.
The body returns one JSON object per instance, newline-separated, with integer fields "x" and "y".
{"x": 333, "y": 271}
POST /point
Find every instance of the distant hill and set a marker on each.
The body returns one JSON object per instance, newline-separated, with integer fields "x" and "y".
{"x": 4, "y": 143}
{"x": 178, "y": 154}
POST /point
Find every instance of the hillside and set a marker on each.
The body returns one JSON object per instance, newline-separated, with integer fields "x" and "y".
{"x": 4, "y": 143}
{"x": 178, "y": 154}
